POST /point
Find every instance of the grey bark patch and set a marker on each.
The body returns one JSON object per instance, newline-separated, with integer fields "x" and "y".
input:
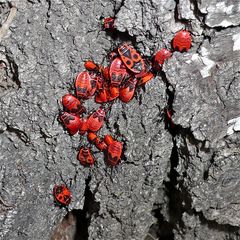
{"x": 220, "y": 14}
{"x": 8, "y": 73}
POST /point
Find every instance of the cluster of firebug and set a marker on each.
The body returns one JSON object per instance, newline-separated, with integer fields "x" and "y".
{"x": 126, "y": 71}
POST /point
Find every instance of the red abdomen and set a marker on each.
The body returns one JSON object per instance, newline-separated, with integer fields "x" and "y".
{"x": 96, "y": 120}
{"x": 128, "y": 90}
{"x": 83, "y": 85}
{"x": 182, "y": 41}
{"x": 62, "y": 195}
{"x": 160, "y": 57}
{"x": 85, "y": 157}
{"x": 114, "y": 153}
{"x": 117, "y": 72}
{"x": 71, "y": 122}
{"x": 72, "y": 104}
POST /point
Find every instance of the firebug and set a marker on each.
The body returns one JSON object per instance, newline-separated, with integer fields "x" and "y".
{"x": 62, "y": 195}
{"x": 127, "y": 90}
{"x": 83, "y": 127}
{"x": 182, "y": 41}
{"x": 108, "y": 23}
{"x": 117, "y": 72}
{"x": 96, "y": 120}
{"x": 131, "y": 58}
{"x": 83, "y": 85}
{"x": 91, "y": 66}
{"x": 161, "y": 56}
{"x": 99, "y": 143}
{"x": 72, "y": 105}
{"x": 71, "y": 122}
{"x": 114, "y": 151}
{"x": 85, "y": 156}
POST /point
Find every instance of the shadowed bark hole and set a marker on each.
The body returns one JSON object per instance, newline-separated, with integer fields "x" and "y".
{"x": 75, "y": 224}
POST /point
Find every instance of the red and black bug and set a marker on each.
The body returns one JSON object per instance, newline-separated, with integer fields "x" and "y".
{"x": 71, "y": 122}
{"x": 108, "y": 23}
{"x": 95, "y": 78}
{"x": 127, "y": 90}
{"x": 114, "y": 151}
{"x": 102, "y": 96}
{"x": 113, "y": 93}
{"x": 147, "y": 77}
{"x": 72, "y": 104}
{"x": 105, "y": 74}
{"x": 83, "y": 85}
{"x": 96, "y": 120}
{"x": 161, "y": 56}
{"x": 92, "y": 137}
{"x": 117, "y": 72}
{"x": 85, "y": 156}
{"x": 83, "y": 128}
{"x": 91, "y": 66}
{"x": 62, "y": 195}
{"x": 182, "y": 41}
{"x": 100, "y": 81}
{"x": 131, "y": 58}
{"x": 147, "y": 74}
{"x": 99, "y": 143}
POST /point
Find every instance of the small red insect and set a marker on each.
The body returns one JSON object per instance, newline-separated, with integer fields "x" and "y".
{"x": 105, "y": 74}
{"x": 95, "y": 78}
{"x": 102, "y": 96}
{"x": 72, "y": 104}
{"x": 100, "y": 144}
{"x": 107, "y": 94}
{"x": 108, "y": 23}
{"x": 62, "y": 195}
{"x": 100, "y": 81}
{"x": 114, "y": 150}
{"x": 113, "y": 93}
{"x": 147, "y": 77}
{"x": 85, "y": 156}
{"x": 117, "y": 72}
{"x": 131, "y": 58}
{"x": 92, "y": 137}
{"x": 182, "y": 41}
{"x": 71, "y": 122}
{"x": 127, "y": 90}
{"x": 96, "y": 120}
{"x": 83, "y": 128}
{"x": 91, "y": 66}
{"x": 83, "y": 85}
{"x": 147, "y": 70}
{"x": 160, "y": 57}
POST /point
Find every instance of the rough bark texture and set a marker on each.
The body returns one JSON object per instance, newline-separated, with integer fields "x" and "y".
{"x": 181, "y": 184}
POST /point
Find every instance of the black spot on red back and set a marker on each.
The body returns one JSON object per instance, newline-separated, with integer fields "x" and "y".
{"x": 135, "y": 56}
